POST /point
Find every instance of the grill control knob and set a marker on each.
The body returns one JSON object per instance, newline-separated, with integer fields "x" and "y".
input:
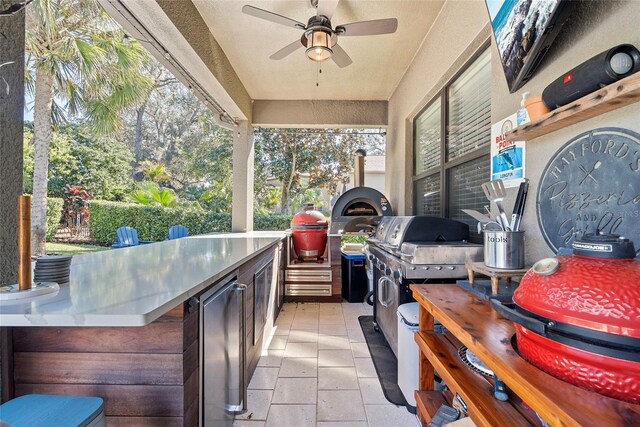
{"x": 387, "y": 271}
{"x": 437, "y": 267}
{"x": 451, "y": 267}
{"x": 413, "y": 267}
{"x": 425, "y": 268}
{"x": 397, "y": 274}
{"x": 371, "y": 257}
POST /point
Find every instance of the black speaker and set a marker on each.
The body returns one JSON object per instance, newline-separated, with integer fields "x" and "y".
{"x": 601, "y": 70}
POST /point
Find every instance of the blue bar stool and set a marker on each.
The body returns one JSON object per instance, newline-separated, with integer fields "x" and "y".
{"x": 46, "y": 410}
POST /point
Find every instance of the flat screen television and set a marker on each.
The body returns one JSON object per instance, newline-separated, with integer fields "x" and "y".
{"x": 524, "y": 30}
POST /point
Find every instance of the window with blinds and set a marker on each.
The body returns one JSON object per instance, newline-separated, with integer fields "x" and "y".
{"x": 428, "y": 138}
{"x": 465, "y": 191}
{"x": 454, "y": 184}
{"x": 469, "y": 96}
{"x": 427, "y": 195}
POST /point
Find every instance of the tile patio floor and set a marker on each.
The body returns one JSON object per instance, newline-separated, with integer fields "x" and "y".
{"x": 317, "y": 371}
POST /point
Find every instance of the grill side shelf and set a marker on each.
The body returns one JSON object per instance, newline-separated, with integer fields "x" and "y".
{"x": 488, "y": 335}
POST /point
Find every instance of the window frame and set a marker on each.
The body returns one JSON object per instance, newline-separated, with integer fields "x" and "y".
{"x": 445, "y": 163}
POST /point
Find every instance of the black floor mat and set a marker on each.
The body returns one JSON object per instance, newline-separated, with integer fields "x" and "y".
{"x": 385, "y": 362}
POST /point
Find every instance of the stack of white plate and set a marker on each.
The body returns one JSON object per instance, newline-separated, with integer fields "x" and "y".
{"x": 52, "y": 268}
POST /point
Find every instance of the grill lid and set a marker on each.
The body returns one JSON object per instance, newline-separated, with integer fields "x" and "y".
{"x": 597, "y": 293}
{"x": 308, "y": 218}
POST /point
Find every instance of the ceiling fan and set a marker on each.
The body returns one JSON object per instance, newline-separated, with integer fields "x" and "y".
{"x": 319, "y": 38}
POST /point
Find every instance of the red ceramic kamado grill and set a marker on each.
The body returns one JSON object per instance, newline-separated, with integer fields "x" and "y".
{"x": 578, "y": 316}
{"x": 309, "y": 233}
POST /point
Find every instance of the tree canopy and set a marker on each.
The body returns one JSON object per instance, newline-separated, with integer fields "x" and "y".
{"x": 302, "y": 159}
{"x": 110, "y": 118}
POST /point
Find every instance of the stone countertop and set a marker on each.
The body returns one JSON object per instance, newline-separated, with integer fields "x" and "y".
{"x": 135, "y": 286}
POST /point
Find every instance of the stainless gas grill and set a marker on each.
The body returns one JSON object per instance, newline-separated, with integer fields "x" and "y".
{"x": 414, "y": 249}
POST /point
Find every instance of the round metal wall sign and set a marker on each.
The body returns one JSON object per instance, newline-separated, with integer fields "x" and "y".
{"x": 592, "y": 184}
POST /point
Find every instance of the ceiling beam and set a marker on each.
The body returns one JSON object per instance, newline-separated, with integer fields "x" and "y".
{"x": 314, "y": 113}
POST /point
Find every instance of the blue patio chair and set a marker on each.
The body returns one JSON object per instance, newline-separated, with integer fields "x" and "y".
{"x": 128, "y": 236}
{"x": 178, "y": 231}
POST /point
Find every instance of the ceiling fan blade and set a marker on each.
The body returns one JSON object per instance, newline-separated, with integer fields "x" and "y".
{"x": 272, "y": 17}
{"x": 286, "y": 51}
{"x": 340, "y": 57}
{"x": 368, "y": 28}
{"x": 327, "y": 8}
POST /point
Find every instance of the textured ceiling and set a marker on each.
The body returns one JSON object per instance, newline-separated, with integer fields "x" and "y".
{"x": 379, "y": 62}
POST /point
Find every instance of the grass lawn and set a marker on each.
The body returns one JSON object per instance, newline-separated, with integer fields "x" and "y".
{"x": 72, "y": 248}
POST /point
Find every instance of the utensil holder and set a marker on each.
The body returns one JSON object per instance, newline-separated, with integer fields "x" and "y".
{"x": 504, "y": 249}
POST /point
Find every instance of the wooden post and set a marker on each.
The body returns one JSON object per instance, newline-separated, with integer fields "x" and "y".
{"x": 24, "y": 242}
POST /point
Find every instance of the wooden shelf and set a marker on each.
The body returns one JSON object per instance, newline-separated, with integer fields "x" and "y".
{"x": 617, "y": 95}
{"x": 428, "y": 403}
{"x": 476, "y": 325}
{"x": 477, "y": 393}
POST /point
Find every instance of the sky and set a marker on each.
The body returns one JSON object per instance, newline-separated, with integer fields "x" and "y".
{"x": 28, "y": 108}
{"x": 494, "y": 7}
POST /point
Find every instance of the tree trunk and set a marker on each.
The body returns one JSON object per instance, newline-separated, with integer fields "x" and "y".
{"x": 286, "y": 187}
{"x": 41, "y": 140}
{"x": 137, "y": 143}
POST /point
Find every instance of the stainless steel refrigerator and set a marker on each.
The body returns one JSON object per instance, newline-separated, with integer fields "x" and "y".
{"x": 223, "y": 392}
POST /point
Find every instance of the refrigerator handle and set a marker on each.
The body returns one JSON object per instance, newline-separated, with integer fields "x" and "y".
{"x": 243, "y": 340}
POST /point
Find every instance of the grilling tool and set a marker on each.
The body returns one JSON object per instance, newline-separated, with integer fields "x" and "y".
{"x": 483, "y": 219}
{"x": 518, "y": 207}
{"x": 495, "y": 192}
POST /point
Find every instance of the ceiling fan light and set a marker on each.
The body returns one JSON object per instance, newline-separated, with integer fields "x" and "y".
{"x": 319, "y": 46}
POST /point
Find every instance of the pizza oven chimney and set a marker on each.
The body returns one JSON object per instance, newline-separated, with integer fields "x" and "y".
{"x": 358, "y": 168}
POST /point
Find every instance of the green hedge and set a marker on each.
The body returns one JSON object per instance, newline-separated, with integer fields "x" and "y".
{"x": 153, "y": 222}
{"x": 54, "y": 215}
{"x": 271, "y": 222}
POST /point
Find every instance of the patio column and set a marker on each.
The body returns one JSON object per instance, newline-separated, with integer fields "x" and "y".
{"x": 12, "y": 29}
{"x": 243, "y": 158}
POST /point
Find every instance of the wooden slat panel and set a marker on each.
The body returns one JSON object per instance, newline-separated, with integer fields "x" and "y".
{"x": 176, "y": 314}
{"x": 6, "y": 364}
{"x": 191, "y": 360}
{"x": 333, "y": 298}
{"x": 336, "y": 281}
{"x": 157, "y": 337}
{"x": 191, "y": 399}
{"x": 98, "y": 368}
{"x": 191, "y": 329}
{"x": 144, "y": 422}
{"x": 120, "y": 400}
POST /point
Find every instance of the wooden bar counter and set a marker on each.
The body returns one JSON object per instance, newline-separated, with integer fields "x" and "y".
{"x": 127, "y": 326}
{"x": 470, "y": 321}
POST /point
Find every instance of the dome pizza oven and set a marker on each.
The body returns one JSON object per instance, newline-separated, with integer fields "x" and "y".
{"x": 359, "y": 202}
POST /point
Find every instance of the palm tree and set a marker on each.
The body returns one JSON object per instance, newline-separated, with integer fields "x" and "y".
{"x": 150, "y": 194}
{"x": 80, "y": 63}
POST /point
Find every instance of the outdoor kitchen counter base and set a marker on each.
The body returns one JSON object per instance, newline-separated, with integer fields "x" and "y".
{"x": 135, "y": 286}
{"x": 147, "y": 375}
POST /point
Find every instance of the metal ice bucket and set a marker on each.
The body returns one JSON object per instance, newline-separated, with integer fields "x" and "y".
{"x": 504, "y": 249}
